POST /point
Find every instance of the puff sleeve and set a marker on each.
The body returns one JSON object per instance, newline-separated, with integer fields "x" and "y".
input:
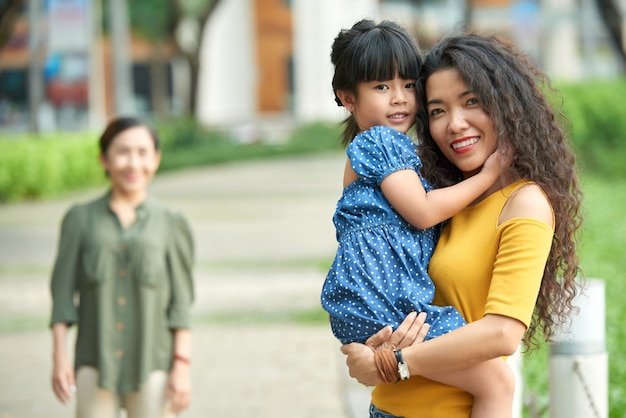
{"x": 376, "y": 153}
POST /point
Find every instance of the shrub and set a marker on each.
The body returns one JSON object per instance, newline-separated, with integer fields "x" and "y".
{"x": 37, "y": 166}
{"x": 596, "y": 111}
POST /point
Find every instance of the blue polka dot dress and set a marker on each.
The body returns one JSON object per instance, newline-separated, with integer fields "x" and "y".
{"x": 379, "y": 273}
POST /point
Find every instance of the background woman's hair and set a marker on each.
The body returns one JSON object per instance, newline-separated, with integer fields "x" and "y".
{"x": 515, "y": 94}
{"x": 120, "y": 124}
{"x": 371, "y": 52}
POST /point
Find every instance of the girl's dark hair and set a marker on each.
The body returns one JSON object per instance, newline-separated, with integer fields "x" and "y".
{"x": 371, "y": 52}
{"x": 123, "y": 123}
{"x": 515, "y": 94}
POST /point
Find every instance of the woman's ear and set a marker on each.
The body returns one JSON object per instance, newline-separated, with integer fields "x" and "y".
{"x": 104, "y": 163}
{"x": 347, "y": 99}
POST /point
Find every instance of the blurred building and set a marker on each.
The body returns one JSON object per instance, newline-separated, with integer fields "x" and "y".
{"x": 565, "y": 37}
{"x": 267, "y": 61}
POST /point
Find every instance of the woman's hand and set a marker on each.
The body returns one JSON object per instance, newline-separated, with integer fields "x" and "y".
{"x": 63, "y": 379}
{"x": 179, "y": 387}
{"x": 360, "y": 360}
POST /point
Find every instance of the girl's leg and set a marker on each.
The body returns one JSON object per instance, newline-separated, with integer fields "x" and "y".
{"x": 149, "y": 401}
{"x": 91, "y": 401}
{"x": 492, "y": 384}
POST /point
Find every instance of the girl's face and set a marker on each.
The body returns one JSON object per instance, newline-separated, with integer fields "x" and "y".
{"x": 391, "y": 103}
{"x": 461, "y": 128}
{"x": 131, "y": 160}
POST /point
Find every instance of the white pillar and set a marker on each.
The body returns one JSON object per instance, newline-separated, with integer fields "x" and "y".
{"x": 561, "y": 56}
{"x": 122, "y": 62}
{"x": 316, "y": 24}
{"x": 578, "y": 375}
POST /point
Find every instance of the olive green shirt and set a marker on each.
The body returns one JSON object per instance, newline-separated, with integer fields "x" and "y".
{"x": 126, "y": 289}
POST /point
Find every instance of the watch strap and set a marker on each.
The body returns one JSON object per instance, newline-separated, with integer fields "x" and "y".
{"x": 403, "y": 368}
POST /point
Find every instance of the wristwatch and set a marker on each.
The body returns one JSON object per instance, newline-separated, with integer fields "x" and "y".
{"x": 403, "y": 368}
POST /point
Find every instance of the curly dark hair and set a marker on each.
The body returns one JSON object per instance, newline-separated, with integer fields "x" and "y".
{"x": 371, "y": 52}
{"x": 516, "y": 94}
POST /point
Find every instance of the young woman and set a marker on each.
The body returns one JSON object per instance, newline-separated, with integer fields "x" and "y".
{"x": 123, "y": 275}
{"x": 508, "y": 262}
{"x": 387, "y": 217}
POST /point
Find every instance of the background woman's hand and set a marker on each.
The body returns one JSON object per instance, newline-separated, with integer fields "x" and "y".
{"x": 179, "y": 387}
{"x": 360, "y": 357}
{"x": 63, "y": 379}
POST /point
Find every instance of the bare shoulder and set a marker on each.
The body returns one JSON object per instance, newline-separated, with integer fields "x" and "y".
{"x": 528, "y": 201}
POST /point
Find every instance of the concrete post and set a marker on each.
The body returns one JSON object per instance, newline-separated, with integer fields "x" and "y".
{"x": 578, "y": 375}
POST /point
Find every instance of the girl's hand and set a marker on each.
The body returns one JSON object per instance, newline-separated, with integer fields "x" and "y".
{"x": 63, "y": 379}
{"x": 498, "y": 162}
{"x": 360, "y": 360}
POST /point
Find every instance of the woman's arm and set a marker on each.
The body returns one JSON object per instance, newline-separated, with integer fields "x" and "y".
{"x": 491, "y": 337}
{"x": 404, "y": 190}
{"x": 63, "y": 379}
{"x": 179, "y": 383}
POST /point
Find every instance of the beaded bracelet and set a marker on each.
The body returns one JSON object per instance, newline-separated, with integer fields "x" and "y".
{"x": 387, "y": 365}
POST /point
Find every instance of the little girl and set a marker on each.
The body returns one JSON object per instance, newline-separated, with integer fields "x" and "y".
{"x": 387, "y": 219}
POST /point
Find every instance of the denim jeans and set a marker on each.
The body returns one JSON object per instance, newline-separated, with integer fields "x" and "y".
{"x": 377, "y": 413}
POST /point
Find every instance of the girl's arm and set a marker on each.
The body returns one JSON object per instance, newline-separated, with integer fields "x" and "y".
{"x": 404, "y": 190}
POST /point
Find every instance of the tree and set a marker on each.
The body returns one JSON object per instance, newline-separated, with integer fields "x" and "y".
{"x": 161, "y": 22}
{"x": 611, "y": 16}
{"x": 9, "y": 12}
{"x": 196, "y": 13}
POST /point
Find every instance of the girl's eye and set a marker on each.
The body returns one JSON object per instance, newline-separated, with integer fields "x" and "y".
{"x": 410, "y": 86}
{"x": 381, "y": 87}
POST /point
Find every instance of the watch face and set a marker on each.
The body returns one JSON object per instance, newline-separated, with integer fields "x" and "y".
{"x": 403, "y": 369}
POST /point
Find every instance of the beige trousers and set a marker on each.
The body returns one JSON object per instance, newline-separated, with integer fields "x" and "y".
{"x": 94, "y": 402}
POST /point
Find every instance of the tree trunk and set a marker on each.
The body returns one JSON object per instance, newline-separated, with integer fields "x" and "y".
{"x": 611, "y": 16}
{"x": 193, "y": 57}
{"x": 159, "y": 82}
{"x": 194, "y": 73}
{"x": 9, "y": 12}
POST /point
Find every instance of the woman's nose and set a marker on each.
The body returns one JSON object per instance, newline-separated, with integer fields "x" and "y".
{"x": 458, "y": 122}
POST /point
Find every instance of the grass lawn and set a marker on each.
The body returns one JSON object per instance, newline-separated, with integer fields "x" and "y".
{"x": 602, "y": 253}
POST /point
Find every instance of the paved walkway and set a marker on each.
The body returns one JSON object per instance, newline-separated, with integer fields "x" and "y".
{"x": 263, "y": 239}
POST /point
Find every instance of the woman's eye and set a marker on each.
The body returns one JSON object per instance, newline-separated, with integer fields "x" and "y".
{"x": 435, "y": 112}
{"x": 472, "y": 101}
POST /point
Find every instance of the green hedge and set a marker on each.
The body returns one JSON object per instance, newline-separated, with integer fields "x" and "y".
{"x": 597, "y": 112}
{"x": 47, "y": 165}
{"x": 33, "y": 167}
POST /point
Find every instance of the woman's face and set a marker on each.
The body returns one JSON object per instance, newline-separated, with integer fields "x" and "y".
{"x": 131, "y": 160}
{"x": 461, "y": 128}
